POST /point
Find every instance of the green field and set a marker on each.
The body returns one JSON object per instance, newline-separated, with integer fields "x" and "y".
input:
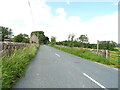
{"x": 84, "y": 53}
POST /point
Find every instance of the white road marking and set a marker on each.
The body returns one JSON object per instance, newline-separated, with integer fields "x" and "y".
{"x": 57, "y": 55}
{"x": 94, "y": 81}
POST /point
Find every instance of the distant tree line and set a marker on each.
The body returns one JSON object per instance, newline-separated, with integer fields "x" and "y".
{"x": 6, "y": 33}
{"x": 83, "y": 41}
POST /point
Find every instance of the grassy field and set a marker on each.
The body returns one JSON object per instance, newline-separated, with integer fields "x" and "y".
{"x": 84, "y": 53}
{"x": 13, "y": 67}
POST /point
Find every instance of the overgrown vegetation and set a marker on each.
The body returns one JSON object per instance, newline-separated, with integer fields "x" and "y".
{"x": 106, "y": 45}
{"x": 5, "y": 33}
{"x": 84, "y": 53}
{"x": 13, "y": 67}
{"x": 23, "y": 38}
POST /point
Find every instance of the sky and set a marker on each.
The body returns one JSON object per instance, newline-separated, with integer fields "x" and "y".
{"x": 97, "y": 20}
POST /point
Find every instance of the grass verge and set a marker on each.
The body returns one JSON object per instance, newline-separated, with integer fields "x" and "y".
{"x": 13, "y": 67}
{"x": 84, "y": 53}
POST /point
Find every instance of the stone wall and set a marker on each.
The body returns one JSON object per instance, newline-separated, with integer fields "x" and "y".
{"x": 103, "y": 53}
{"x": 8, "y": 48}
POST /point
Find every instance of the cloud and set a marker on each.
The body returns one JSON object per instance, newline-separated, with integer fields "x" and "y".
{"x": 68, "y": 2}
{"x": 61, "y": 12}
{"x": 115, "y": 3}
{"x": 99, "y": 28}
{"x": 17, "y": 16}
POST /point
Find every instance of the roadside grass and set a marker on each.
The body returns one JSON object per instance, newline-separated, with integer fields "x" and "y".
{"x": 84, "y": 53}
{"x": 13, "y": 67}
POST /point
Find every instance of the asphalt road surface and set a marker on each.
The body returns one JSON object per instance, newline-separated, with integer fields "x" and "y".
{"x": 52, "y": 68}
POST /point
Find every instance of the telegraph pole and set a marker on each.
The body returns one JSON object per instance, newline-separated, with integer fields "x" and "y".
{"x": 31, "y": 12}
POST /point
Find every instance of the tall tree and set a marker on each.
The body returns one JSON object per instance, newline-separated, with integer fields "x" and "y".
{"x": 83, "y": 39}
{"x": 6, "y": 33}
{"x": 53, "y": 39}
{"x": 71, "y": 37}
{"x": 46, "y": 40}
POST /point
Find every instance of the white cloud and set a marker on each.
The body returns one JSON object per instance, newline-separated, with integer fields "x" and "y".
{"x": 17, "y": 16}
{"x": 116, "y": 3}
{"x": 68, "y": 2}
{"x": 99, "y": 28}
{"x": 61, "y": 12}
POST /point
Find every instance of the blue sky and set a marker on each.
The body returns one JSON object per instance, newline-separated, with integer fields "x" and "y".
{"x": 86, "y": 10}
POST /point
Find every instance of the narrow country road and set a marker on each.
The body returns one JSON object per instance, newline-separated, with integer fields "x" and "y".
{"x": 52, "y": 68}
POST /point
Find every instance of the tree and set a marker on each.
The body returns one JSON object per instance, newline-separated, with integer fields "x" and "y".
{"x": 107, "y": 45}
{"x": 21, "y": 38}
{"x": 71, "y": 37}
{"x": 37, "y": 33}
{"x": 40, "y": 34}
{"x": 53, "y": 39}
{"x": 83, "y": 39}
{"x": 46, "y": 40}
{"x": 6, "y": 33}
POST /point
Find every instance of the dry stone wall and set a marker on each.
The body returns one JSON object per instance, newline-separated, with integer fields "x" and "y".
{"x": 8, "y": 48}
{"x": 103, "y": 53}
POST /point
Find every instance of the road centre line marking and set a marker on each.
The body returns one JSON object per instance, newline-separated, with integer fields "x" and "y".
{"x": 57, "y": 55}
{"x": 95, "y": 81}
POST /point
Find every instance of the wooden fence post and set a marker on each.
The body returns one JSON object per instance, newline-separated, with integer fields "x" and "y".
{"x": 107, "y": 54}
{"x": 97, "y": 46}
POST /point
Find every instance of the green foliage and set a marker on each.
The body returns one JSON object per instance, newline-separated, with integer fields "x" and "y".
{"x": 53, "y": 39}
{"x": 37, "y": 33}
{"x": 71, "y": 37}
{"x": 42, "y": 38}
{"x": 21, "y": 38}
{"x": 107, "y": 45}
{"x": 13, "y": 67}
{"x": 84, "y": 53}
{"x": 83, "y": 38}
{"x": 73, "y": 44}
{"x": 6, "y": 33}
